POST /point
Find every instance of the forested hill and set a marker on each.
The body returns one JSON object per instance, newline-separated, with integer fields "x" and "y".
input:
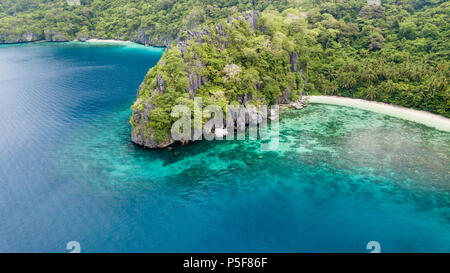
{"x": 396, "y": 52}
{"x": 154, "y": 22}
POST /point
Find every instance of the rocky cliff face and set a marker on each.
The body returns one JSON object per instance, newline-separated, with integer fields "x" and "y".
{"x": 156, "y": 84}
{"x": 138, "y": 135}
{"x": 54, "y": 36}
{"x": 30, "y": 36}
{"x": 151, "y": 38}
{"x": 144, "y": 37}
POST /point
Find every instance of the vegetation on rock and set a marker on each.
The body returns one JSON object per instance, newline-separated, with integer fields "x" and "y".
{"x": 395, "y": 53}
{"x": 259, "y": 52}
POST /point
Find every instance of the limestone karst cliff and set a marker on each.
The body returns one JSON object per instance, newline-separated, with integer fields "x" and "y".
{"x": 242, "y": 60}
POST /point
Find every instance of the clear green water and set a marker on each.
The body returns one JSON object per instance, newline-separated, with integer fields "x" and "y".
{"x": 341, "y": 177}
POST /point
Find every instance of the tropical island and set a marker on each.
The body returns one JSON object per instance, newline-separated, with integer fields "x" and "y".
{"x": 258, "y": 52}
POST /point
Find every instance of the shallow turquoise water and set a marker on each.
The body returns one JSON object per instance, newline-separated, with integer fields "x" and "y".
{"x": 341, "y": 177}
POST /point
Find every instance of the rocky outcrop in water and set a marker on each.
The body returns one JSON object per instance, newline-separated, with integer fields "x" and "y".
{"x": 139, "y": 137}
{"x": 156, "y": 84}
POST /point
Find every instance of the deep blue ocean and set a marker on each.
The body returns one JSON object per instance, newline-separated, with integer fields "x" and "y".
{"x": 69, "y": 172}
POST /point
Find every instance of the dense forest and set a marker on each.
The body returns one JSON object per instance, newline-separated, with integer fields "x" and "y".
{"x": 160, "y": 20}
{"x": 396, "y": 52}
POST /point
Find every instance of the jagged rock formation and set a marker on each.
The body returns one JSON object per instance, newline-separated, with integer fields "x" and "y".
{"x": 192, "y": 66}
{"x": 152, "y": 38}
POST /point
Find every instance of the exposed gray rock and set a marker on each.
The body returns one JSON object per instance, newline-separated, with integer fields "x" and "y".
{"x": 29, "y": 36}
{"x": 195, "y": 79}
{"x": 302, "y": 73}
{"x": 138, "y": 134}
{"x": 197, "y": 35}
{"x": 149, "y": 37}
{"x": 252, "y": 18}
{"x": 294, "y": 61}
{"x": 285, "y": 97}
{"x": 160, "y": 81}
{"x": 53, "y": 36}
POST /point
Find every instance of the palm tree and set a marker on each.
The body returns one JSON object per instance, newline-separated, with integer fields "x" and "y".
{"x": 334, "y": 88}
{"x": 389, "y": 86}
{"x": 371, "y": 92}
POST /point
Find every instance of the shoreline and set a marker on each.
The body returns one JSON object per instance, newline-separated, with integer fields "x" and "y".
{"x": 93, "y": 41}
{"x": 426, "y": 118}
{"x": 112, "y": 41}
{"x": 107, "y": 41}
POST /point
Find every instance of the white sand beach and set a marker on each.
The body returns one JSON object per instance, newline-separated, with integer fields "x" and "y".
{"x": 423, "y": 117}
{"x": 128, "y": 44}
{"x": 108, "y": 41}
